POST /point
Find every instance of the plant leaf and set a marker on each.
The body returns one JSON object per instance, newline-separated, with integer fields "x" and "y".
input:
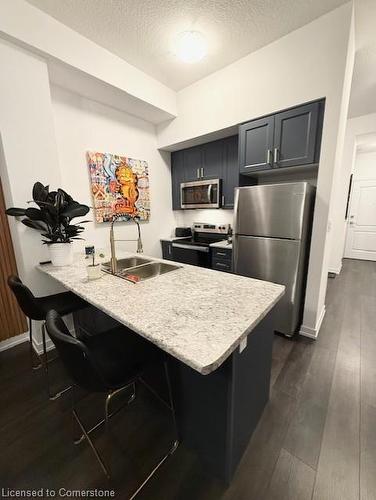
{"x": 75, "y": 210}
{"x": 15, "y": 212}
{"x": 34, "y": 224}
{"x": 35, "y": 214}
{"x": 40, "y": 193}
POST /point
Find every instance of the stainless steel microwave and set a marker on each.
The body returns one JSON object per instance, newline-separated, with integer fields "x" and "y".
{"x": 201, "y": 194}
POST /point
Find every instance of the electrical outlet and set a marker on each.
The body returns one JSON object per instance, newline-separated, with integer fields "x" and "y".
{"x": 242, "y": 345}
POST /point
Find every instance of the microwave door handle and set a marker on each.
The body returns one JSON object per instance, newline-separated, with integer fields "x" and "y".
{"x": 210, "y": 187}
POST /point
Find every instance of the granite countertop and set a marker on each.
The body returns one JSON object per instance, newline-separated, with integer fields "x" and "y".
{"x": 222, "y": 244}
{"x": 197, "y": 315}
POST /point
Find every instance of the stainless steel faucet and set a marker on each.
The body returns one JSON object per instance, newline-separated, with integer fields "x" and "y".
{"x": 112, "y": 241}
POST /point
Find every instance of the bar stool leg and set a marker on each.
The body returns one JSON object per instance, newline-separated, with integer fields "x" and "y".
{"x": 32, "y": 352}
{"x": 86, "y": 435}
{"x": 175, "y": 443}
{"x": 51, "y": 396}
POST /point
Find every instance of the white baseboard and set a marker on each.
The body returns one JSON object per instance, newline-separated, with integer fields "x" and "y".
{"x": 312, "y": 333}
{"x": 38, "y": 346}
{"x": 335, "y": 270}
{"x": 13, "y": 341}
{"x": 24, "y": 337}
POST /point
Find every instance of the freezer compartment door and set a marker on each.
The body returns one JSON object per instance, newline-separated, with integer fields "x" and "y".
{"x": 275, "y": 210}
{"x": 277, "y": 260}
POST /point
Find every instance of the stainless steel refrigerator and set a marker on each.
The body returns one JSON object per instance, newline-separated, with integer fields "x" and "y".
{"x": 272, "y": 229}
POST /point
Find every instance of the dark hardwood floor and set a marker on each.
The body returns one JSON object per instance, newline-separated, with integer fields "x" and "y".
{"x": 316, "y": 439}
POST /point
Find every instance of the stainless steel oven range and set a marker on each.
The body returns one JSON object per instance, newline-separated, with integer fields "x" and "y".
{"x": 196, "y": 249}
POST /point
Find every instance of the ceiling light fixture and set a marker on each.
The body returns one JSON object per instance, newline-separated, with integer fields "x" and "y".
{"x": 191, "y": 46}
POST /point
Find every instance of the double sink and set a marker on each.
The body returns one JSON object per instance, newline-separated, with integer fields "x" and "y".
{"x": 137, "y": 269}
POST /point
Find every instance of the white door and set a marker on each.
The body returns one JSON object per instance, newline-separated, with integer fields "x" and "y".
{"x": 361, "y": 224}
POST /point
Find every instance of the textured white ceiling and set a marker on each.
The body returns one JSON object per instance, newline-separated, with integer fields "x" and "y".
{"x": 142, "y": 31}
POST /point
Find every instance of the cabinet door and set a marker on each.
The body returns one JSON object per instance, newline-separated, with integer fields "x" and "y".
{"x": 192, "y": 163}
{"x": 230, "y": 171}
{"x": 177, "y": 177}
{"x": 212, "y": 160}
{"x": 295, "y": 136}
{"x": 256, "y": 140}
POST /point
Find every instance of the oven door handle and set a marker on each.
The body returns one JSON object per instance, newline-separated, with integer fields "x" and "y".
{"x": 191, "y": 247}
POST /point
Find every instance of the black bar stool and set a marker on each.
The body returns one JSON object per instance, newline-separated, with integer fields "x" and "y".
{"x": 36, "y": 308}
{"x": 108, "y": 363}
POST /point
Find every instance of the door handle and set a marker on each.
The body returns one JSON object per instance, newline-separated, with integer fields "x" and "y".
{"x": 191, "y": 247}
{"x": 202, "y": 171}
{"x": 276, "y": 155}
{"x": 209, "y": 192}
{"x": 198, "y": 173}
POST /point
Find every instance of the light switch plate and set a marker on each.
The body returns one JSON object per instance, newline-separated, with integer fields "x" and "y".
{"x": 242, "y": 345}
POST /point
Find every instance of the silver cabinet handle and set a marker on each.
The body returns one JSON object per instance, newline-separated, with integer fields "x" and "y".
{"x": 268, "y": 157}
{"x": 276, "y": 155}
{"x": 223, "y": 200}
{"x": 202, "y": 171}
{"x": 219, "y": 264}
{"x": 169, "y": 249}
{"x": 221, "y": 253}
{"x": 191, "y": 247}
{"x": 198, "y": 173}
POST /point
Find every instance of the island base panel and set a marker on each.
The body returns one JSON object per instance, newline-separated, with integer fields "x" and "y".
{"x": 217, "y": 413}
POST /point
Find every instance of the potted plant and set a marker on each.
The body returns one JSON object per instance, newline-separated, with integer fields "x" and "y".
{"x": 53, "y": 219}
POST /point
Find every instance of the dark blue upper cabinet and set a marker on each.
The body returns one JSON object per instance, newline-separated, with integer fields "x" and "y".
{"x": 212, "y": 160}
{"x": 287, "y": 139}
{"x": 177, "y": 177}
{"x": 295, "y": 136}
{"x": 230, "y": 171}
{"x": 192, "y": 163}
{"x": 256, "y": 141}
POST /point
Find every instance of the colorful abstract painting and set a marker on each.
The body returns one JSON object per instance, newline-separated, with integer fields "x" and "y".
{"x": 120, "y": 186}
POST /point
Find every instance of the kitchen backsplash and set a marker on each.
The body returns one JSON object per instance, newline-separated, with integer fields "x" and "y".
{"x": 188, "y": 217}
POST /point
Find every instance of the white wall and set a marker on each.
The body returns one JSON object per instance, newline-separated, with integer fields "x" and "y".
{"x": 356, "y": 129}
{"x": 312, "y": 62}
{"x": 27, "y": 153}
{"x": 46, "y": 139}
{"x": 28, "y": 148}
{"x": 23, "y": 23}
{"x": 83, "y": 125}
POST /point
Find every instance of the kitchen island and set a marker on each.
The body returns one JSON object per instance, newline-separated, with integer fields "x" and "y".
{"x": 218, "y": 330}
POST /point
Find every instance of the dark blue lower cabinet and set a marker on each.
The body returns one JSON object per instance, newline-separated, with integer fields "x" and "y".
{"x": 166, "y": 249}
{"x": 222, "y": 259}
{"x": 218, "y": 413}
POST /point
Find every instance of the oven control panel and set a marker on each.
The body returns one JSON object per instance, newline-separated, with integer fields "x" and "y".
{"x": 204, "y": 227}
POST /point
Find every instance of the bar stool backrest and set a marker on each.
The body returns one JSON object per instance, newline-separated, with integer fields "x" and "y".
{"x": 76, "y": 357}
{"x": 26, "y": 299}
